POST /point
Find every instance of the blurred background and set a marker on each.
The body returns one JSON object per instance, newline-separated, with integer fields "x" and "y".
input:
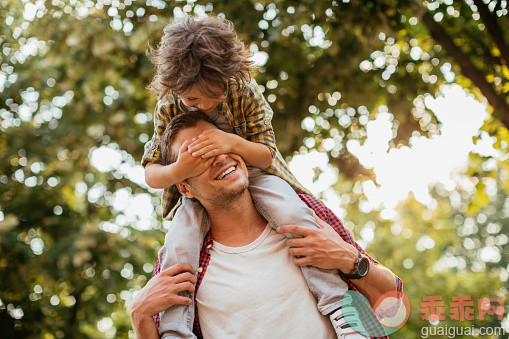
{"x": 395, "y": 113}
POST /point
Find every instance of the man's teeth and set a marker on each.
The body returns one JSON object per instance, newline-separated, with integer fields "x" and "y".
{"x": 225, "y": 173}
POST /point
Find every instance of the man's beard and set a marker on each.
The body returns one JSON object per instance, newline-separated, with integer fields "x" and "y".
{"x": 225, "y": 198}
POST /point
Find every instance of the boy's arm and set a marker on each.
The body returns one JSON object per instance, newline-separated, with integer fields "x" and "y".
{"x": 157, "y": 175}
{"x": 161, "y": 176}
{"x": 152, "y": 151}
{"x": 258, "y": 115}
{"x": 186, "y": 166}
{"x": 253, "y": 153}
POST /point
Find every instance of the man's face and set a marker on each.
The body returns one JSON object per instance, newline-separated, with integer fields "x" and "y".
{"x": 194, "y": 97}
{"x": 225, "y": 179}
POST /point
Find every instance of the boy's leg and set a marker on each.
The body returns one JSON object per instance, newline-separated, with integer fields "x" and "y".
{"x": 182, "y": 244}
{"x": 276, "y": 200}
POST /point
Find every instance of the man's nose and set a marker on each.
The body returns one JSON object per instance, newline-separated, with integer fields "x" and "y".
{"x": 220, "y": 159}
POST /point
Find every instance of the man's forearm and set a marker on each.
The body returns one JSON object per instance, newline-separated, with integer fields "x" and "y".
{"x": 144, "y": 327}
{"x": 378, "y": 281}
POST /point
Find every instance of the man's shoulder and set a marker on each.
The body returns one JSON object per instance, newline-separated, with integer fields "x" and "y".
{"x": 314, "y": 203}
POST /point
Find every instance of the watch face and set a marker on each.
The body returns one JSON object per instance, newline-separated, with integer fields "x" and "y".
{"x": 363, "y": 266}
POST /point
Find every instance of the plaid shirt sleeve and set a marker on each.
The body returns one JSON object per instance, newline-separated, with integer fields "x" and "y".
{"x": 164, "y": 112}
{"x": 258, "y": 117}
{"x": 252, "y": 119}
{"x": 157, "y": 270}
{"x": 153, "y": 146}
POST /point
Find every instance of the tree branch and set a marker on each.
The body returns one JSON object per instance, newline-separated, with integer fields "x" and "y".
{"x": 500, "y": 106}
{"x": 350, "y": 166}
{"x": 490, "y": 21}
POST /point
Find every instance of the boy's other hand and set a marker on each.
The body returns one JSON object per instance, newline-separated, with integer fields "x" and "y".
{"x": 213, "y": 142}
{"x": 190, "y": 166}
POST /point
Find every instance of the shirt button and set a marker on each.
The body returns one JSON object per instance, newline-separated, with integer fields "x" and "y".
{"x": 200, "y": 269}
{"x": 266, "y": 122}
{"x": 209, "y": 246}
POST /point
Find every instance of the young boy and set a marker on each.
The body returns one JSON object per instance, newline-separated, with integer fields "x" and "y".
{"x": 203, "y": 65}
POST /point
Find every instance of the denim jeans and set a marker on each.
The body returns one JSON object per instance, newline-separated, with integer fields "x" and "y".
{"x": 277, "y": 202}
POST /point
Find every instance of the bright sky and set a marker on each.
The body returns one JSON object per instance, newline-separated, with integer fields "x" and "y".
{"x": 425, "y": 162}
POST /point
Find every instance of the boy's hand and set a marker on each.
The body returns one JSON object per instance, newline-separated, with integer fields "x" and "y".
{"x": 190, "y": 166}
{"x": 213, "y": 142}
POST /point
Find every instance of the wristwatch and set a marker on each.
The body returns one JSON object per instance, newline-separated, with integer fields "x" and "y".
{"x": 360, "y": 268}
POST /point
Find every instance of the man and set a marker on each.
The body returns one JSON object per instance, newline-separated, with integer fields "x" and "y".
{"x": 252, "y": 287}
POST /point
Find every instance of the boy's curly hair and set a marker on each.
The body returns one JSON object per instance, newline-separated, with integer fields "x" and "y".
{"x": 205, "y": 52}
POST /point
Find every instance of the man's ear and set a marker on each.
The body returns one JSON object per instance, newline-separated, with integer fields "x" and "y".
{"x": 185, "y": 189}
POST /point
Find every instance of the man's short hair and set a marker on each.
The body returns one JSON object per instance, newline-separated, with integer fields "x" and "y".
{"x": 177, "y": 124}
{"x": 204, "y": 52}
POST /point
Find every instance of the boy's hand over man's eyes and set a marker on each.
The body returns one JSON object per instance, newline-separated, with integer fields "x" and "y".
{"x": 191, "y": 166}
{"x": 213, "y": 142}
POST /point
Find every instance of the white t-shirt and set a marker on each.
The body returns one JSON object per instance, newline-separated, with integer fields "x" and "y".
{"x": 256, "y": 291}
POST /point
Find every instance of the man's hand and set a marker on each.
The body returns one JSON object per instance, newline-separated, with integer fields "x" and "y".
{"x": 190, "y": 166}
{"x": 322, "y": 248}
{"x": 162, "y": 291}
{"x": 213, "y": 142}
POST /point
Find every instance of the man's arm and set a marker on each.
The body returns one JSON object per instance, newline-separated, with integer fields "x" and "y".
{"x": 160, "y": 293}
{"x": 378, "y": 281}
{"x": 144, "y": 327}
{"x": 324, "y": 248}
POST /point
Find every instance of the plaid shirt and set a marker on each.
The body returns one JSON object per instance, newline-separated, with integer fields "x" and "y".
{"x": 250, "y": 116}
{"x": 324, "y": 213}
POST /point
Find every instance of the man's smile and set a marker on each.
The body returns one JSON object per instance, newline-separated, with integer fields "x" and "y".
{"x": 226, "y": 173}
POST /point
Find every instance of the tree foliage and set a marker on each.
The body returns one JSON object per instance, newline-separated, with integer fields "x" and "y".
{"x": 73, "y": 77}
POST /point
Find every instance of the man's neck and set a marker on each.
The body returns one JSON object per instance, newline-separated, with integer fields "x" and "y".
{"x": 237, "y": 224}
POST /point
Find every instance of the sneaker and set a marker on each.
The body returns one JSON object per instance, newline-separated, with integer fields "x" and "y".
{"x": 345, "y": 319}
